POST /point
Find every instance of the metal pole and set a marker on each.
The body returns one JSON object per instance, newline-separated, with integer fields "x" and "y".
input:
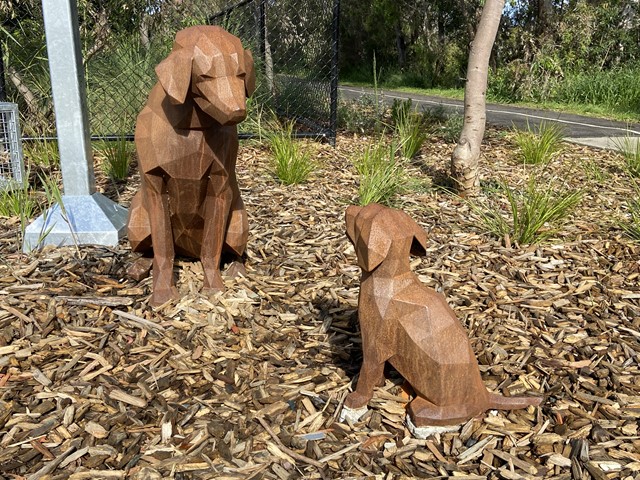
{"x": 263, "y": 31}
{"x": 83, "y": 216}
{"x": 3, "y": 86}
{"x": 333, "y": 128}
{"x": 69, "y": 95}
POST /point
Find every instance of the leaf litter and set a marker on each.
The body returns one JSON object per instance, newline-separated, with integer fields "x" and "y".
{"x": 94, "y": 383}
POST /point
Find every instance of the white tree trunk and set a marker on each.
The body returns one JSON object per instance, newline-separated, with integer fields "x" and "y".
{"x": 464, "y": 160}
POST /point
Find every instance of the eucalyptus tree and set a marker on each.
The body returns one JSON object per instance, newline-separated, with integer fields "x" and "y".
{"x": 464, "y": 160}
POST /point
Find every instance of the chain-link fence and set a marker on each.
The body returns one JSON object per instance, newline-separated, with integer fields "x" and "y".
{"x": 294, "y": 44}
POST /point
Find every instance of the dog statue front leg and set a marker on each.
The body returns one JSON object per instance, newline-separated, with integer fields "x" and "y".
{"x": 371, "y": 375}
{"x": 157, "y": 204}
{"x": 216, "y": 214}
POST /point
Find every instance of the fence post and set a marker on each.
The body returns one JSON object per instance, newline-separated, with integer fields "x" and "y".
{"x": 82, "y": 216}
{"x": 334, "y": 72}
{"x": 3, "y": 86}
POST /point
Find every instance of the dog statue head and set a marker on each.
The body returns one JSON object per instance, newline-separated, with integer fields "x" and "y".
{"x": 210, "y": 65}
{"x": 374, "y": 228}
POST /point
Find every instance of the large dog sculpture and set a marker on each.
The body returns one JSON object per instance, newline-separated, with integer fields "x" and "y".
{"x": 187, "y": 143}
{"x": 412, "y": 327}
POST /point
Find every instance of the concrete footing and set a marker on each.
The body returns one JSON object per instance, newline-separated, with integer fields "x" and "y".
{"x": 84, "y": 220}
{"x": 424, "y": 432}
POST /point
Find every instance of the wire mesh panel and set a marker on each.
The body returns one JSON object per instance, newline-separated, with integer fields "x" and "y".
{"x": 294, "y": 44}
{"x": 11, "y": 161}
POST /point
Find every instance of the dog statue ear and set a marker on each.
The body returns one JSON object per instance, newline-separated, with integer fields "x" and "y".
{"x": 419, "y": 243}
{"x": 174, "y": 74}
{"x": 250, "y": 74}
{"x": 372, "y": 247}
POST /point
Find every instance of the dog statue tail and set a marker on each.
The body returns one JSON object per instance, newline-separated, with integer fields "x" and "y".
{"x": 499, "y": 402}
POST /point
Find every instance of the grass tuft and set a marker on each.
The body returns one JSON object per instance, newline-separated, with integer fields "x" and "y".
{"x": 631, "y": 225}
{"x": 290, "y": 163}
{"x": 531, "y": 215}
{"x": 409, "y": 129}
{"x": 381, "y": 174}
{"x": 116, "y": 156}
{"x": 451, "y": 128}
{"x": 539, "y": 147}
{"x": 630, "y": 149}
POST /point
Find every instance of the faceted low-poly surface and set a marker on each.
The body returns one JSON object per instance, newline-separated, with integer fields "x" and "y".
{"x": 187, "y": 142}
{"x": 412, "y": 327}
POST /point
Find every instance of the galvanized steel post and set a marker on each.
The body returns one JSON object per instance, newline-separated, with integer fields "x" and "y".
{"x": 83, "y": 216}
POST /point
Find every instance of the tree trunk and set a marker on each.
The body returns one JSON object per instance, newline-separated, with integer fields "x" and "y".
{"x": 464, "y": 160}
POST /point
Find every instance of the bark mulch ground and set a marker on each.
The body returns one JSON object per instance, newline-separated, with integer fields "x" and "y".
{"x": 94, "y": 383}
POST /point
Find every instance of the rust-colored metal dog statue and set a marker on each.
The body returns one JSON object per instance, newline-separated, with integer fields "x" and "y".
{"x": 187, "y": 142}
{"x": 412, "y": 327}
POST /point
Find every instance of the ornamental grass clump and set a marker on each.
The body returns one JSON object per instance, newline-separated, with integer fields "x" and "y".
{"x": 116, "y": 156}
{"x": 631, "y": 225}
{"x": 290, "y": 163}
{"x": 541, "y": 146}
{"x": 530, "y": 215}
{"x": 630, "y": 149}
{"x": 409, "y": 130}
{"x": 381, "y": 173}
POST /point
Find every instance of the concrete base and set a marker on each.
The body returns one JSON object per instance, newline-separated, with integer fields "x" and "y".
{"x": 352, "y": 414}
{"x": 86, "y": 220}
{"x": 424, "y": 432}
{"x": 608, "y": 143}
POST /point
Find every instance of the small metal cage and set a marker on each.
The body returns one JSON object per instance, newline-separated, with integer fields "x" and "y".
{"x": 11, "y": 159}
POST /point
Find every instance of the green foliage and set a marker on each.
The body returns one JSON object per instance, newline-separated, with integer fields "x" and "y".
{"x": 116, "y": 155}
{"x": 381, "y": 174}
{"x": 290, "y": 163}
{"x": 261, "y": 120}
{"x": 630, "y": 149}
{"x": 117, "y": 80}
{"x": 409, "y": 129}
{"x": 452, "y": 127}
{"x": 43, "y": 153}
{"x": 18, "y": 201}
{"x": 533, "y": 214}
{"x": 362, "y": 115}
{"x": 539, "y": 147}
{"x": 631, "y": 226}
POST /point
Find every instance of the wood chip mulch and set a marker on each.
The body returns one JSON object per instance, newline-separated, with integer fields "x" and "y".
{"x": 94, "y": 383}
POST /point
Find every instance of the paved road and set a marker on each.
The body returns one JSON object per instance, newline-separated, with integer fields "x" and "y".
{"x": 578, "y": 129}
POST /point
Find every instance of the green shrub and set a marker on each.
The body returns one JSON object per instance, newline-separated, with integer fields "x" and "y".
{"x": 365, "y": 114}
{"x": 43, "y": 153}
{"x": 533, "y": 214}
{"x": 630, "y": 149}
{"x": 539, "y": 148}
{"x": 116, "y": 156}
{"x": 452, "y": 127}
{"x": 409, "y": 130}
{"x": 632, "y": 226}
{"x": 290, "y": 163}
{"x": 381, "y": 174}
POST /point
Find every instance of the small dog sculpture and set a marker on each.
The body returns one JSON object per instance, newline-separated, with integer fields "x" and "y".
{"x": 412, "y": 327}
{"x": 187, "y": 142}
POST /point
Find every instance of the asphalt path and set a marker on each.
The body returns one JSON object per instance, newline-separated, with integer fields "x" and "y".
{"x": 577, "y": 128}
